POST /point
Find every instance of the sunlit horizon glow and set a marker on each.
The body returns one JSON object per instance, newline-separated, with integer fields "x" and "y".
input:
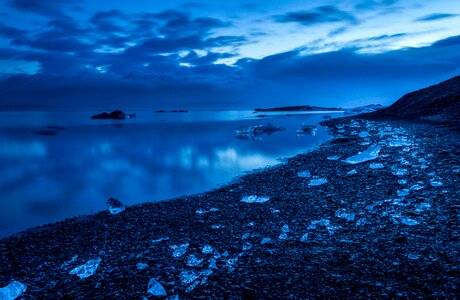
{"x": 240, "y": 52}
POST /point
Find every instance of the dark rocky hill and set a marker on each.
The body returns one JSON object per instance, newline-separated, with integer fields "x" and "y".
{"x": 439, "y": 103}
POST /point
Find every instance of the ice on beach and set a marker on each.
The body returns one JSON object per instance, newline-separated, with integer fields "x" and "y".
{"x": 322, "y": 222}
{"x": 285, "y": 228}
{"x": 160, "y": 240}
{"x": 369, "y": 154}
{"x": 283, "y": 236}
{"x": 155, "y": 288}
{"x": 399, "y": 141}
{"x": 352, "y": 172}
{"x": 192, "y": 286}
{"x": 212, "y": 264}
{"x": 245, "y": 236}
{"x": 334, "y": 157}
{"x": 304, "y": 238}
{"x": 115, "y": 206}
{"x": 179, "y": 250}
{"x": 399, "y": 172}
{"x": 361, "y": 222}
{"x": 247, "y": 246}
{"x": 142, "y": 266}
{"x": 409, "y": 221}
{"x": 344, "y": 214}
{"x": 376, "y": 166}
{"x": 66, "y": 263}
{"x": 435, "y": 183}
{"x": 217, "y": 226}
{"x": 412, "y": 256}
{"x": 255, "y": 199}
{"x": 274, "y": 210}
{"x": 193, "y": 261}
{"x": 207, "y": 249}
{"x": 188, "y": 276}
{"x": 304, "y": 174}
{"x": 403, "y": 192}
{"x": 422, "y": 207}
{"x": 317, "y": 181}
{"x": 87, "y": 269}
{"x": 402, "y": 181}
{"x": 416, "y": 187}
{"x": 363, "y": 134}
{"x": 266, "y": 241}
{"x": 201, "y": 211}
{"x": 13, "y": 290}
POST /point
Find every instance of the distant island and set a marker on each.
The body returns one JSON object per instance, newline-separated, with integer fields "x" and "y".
{"x": 298, "y": 108}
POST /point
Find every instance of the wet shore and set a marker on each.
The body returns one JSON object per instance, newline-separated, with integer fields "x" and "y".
{"x": 337, "y": 224}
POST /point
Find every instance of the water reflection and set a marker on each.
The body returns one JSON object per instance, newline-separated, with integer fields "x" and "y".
{"x": 45, "y": 178}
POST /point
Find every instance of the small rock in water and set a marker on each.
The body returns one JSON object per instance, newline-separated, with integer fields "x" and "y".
{"x": 12, "y": 291}
{"x": 409, "y": 221}
{"x": 304, "y": 238}
{"x": 87, "y": 269}
{"x": 344, "y": 214}
{"x": 207, "y": 249}
{"x": 317, "y": 181}
{"x": 376, "y": 166}
{"x": 304, "y": 174}
{"x": 255, "y": 199}
{"x": 266, "y": 241}
{"x": 115, "y": 206}
{"x": 155, "y": 288}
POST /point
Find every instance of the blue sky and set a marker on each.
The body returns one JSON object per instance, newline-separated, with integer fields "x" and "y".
{"x": 221, "y": 54}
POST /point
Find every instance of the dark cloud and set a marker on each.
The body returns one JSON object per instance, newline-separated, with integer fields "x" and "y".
{"x": 375, "y": 4}
{"x": 10, "y": 32}
{"x": 42, "y": 7}
{"x": 108, "y": 21}
{"x": 322, "y": 14}
{"x": 435, "y": 17}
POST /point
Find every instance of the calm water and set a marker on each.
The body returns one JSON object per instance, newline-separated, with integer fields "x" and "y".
{"x": 55, "y": 165}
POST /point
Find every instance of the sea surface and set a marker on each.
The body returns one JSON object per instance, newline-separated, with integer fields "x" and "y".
{"x": 59, "y": 164}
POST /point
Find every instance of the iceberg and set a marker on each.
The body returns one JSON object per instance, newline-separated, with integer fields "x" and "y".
{"x": 87, "y": 269}
{"x": 370, "y": 153}
{"x": 155, "y": 288}
{"x": 115, "y": 206}
{"x": 255, "y": 199}
{"x": 13, "y": 290}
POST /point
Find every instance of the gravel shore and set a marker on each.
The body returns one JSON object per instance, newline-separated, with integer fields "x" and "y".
{"x": 333, "y": 227}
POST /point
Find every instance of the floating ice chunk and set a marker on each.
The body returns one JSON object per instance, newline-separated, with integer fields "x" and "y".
{"x": 256, "y": 130}
{"x": 247, "y": 246}
{"x": 335, "y": 157}
{"x": 13, "y": 290}
{"x": 188, "y": 276}
{"x": 283, "y": 236}
{"x": 422, "y": 206}
{"x": 212, "y": 264}
{"x": 193, "y": 261}
{"x": 304, "y": 238}
{"x": 361, "y": 222}
{"x": 416, "y": 187}
{"x": 363, "y": 134}
{"x": 317, "y": 181}
{"x": 275, "y": 211}
{"x": 179, "y": 250}
{"x": 285, "y": 228}
{"x": 87, "y": 269}
{"x": 412, "y": 256}
{"x": 403, "y": 192}
{"x": 217, "y": 226}
{"x": 192, "y": 287}
{"x": 399, "y": 172}
{"x": 255, "y": 199}
{"x": 344, "y": 214}
{"x": 115, "y": 206}
{"x": 352, "y": 172}
{"x": 376, "y": 166}
{"x": 155, "y": 288}
{"x": 435, "y": 182}
{"x": 266, "y": 241}
{"x": 207, "y": 249}
{"x": 160, "y": 240}
{"x": 402, "y": 181}
{"x": 369, "y": 154}
{"x": 142, "y": 266}
{"x": 409, "y": 221}
{"x": 304, "y": 174}
{"x": 307, "y": 129}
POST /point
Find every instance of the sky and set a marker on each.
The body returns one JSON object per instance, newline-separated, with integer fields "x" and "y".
{"x": 222, "y": 54}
